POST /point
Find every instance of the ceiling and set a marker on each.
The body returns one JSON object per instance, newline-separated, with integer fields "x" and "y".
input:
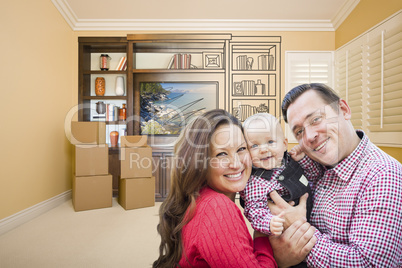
{"x": 232, "y": 15}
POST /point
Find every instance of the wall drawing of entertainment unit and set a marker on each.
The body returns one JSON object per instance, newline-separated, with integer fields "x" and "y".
{"x": 170, "y": 78}
{"x": 254, "y": 75}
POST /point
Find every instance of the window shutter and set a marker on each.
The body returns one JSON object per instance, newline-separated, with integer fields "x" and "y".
{"x": 307, "y": 67}
{"x": 341, "y": 74}
{"x": 384, "y": 77}
{"x": 349, "y": 79}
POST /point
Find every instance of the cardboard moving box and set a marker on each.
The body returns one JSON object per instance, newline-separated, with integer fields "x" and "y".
{"x": 137, "y": 193}
{"x": 136, "y": 162}
{"x": 134, "y": 141}
{"x": 92, "y": 192}
{"x": 91, "y": 160}
{"x": 88, "y": 132}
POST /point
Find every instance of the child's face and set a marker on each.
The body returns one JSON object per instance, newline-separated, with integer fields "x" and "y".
{"x": 266, "y": 143}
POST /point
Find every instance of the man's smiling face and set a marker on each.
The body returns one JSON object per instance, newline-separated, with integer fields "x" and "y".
{"x": 318, "y": 127}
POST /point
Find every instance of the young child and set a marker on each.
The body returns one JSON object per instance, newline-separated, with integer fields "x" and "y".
{"x": 273, "y": 169}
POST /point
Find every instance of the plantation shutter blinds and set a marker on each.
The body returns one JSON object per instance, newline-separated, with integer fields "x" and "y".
{"x": 384, "y": 82}
{"x": 349, "y": 79}
{"x": 373, "y": 64}
{"x": 307, "y": 67}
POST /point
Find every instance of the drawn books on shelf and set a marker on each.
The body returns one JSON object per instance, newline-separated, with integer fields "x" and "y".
{"x": 249, "y": 88}
{"x": 266, "y": 62}
{"x": 242, "y": 109}
{"x": 244, "y": 62}
{"x": 180, "y": 61}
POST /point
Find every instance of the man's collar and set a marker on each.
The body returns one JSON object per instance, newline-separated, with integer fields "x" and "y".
{"x": 346, "y": 167}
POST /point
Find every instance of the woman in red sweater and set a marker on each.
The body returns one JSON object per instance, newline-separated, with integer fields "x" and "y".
{"x": 200, "y": 225}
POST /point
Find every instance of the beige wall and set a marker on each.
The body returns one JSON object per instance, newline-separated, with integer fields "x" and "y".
{"x": 36, "y": 93}
{"x": 367, "y": 14}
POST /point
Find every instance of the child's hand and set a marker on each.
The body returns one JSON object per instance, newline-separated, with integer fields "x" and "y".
{"x": 296, "y": 153}
{"x": 276, "y": 224}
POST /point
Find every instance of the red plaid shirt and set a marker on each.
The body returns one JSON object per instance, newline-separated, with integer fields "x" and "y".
{"x": 357, "y": 210}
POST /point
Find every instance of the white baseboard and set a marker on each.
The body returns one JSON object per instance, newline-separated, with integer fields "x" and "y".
{"x": 30, "y": 213}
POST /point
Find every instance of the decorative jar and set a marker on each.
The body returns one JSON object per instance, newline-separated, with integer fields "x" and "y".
{"x": 100, "y": 107}
{"x": 114, "y": 138}
{"x": 104, "y": 62}
{"x": 100, "y": 86}
{"x": 123, "y": 113}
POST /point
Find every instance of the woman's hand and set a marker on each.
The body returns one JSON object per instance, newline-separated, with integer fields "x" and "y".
{"x": 293, "y": 245}
{"x": 291, "y": 213}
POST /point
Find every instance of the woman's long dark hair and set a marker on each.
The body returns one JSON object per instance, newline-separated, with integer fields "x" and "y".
{"x": 188, "y": 176}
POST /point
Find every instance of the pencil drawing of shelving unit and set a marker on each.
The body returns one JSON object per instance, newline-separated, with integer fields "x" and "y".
{"x": 254, "y": 80}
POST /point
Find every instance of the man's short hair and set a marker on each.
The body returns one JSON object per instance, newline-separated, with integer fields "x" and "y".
{"x": 327, "y": 94}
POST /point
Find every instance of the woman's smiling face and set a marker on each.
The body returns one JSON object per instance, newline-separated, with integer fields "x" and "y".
{"x": 229, "y": 165}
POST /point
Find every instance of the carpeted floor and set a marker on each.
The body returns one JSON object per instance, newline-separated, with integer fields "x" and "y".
{"x": 101, "y": 238}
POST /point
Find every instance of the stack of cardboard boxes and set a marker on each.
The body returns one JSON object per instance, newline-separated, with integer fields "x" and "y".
{"x": 92, "y": 183}
{"x": 137, "y": 185}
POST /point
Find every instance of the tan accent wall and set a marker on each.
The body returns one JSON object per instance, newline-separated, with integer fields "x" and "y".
{"x": 36, "y": 93}
{"x": 394, "y": 152}
{"x": 367, "y": 14}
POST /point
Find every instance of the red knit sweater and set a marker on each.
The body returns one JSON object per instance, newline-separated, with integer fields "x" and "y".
{"x": 217, "y": 236}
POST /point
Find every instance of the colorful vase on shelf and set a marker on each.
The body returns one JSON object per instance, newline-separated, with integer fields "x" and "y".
{"x": 100, "y": 86}
{"x": 114, "y": 138}
{"x": 119, "y": 86}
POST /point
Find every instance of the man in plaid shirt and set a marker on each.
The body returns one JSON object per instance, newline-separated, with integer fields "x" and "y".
{"x": 357, "y": 190}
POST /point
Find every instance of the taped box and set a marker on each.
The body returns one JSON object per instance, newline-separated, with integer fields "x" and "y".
{"x": 88, "y": 132}
{"x": 91, "y": 160}
{"x": 134, "y": 141}
{"x": 92, "y": 192}
{"x": 136, "y": 162}
{"x": 137, "y": 193}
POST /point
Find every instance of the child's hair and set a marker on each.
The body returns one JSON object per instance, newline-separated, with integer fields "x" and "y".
{"x": 269, "y": 120}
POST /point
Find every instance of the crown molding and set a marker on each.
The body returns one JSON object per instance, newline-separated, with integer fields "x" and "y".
{"x": 66, "y": 11}
{"x": 202, "y": 25}
{"x": 344, "y": 12}
{"x": 188, "y": 24}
